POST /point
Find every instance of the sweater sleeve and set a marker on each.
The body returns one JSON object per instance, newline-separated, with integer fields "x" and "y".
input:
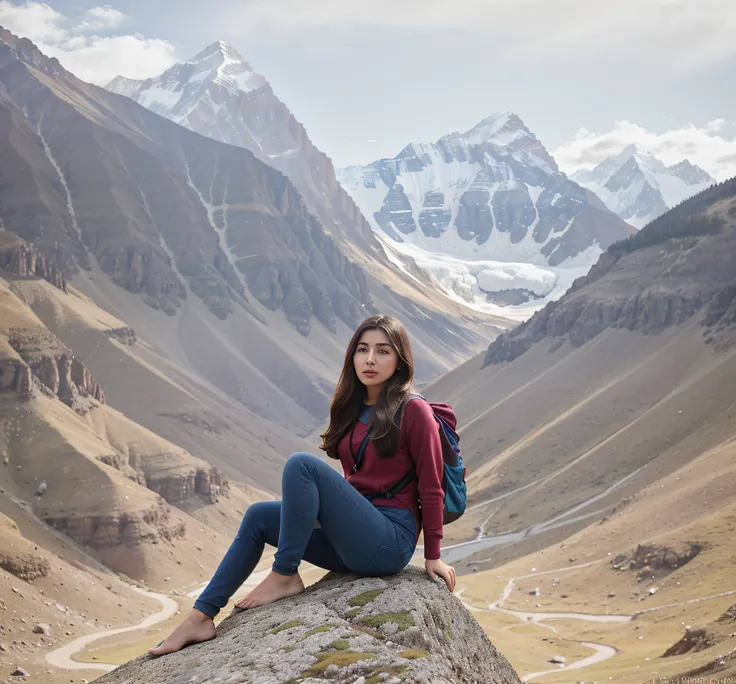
{"x": 426, "y": 452}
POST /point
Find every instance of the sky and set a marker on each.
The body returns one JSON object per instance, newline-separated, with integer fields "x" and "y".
{"x": 367, "y": 78}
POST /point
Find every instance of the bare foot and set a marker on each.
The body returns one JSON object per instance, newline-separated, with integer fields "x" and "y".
{"x": 194, "y": 628}
{"x": 273, "y": 588}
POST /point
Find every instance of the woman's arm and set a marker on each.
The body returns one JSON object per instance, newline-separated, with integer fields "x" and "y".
{"x": 424, "y": 444}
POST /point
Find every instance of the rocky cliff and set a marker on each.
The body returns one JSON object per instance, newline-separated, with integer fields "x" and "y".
{"x": 403, "y": 628}
{"x": 680, "y": 265}
{"x": 145, "y": 526}
{"x": 19, "y": 258}
{"x": 54, "y": 365}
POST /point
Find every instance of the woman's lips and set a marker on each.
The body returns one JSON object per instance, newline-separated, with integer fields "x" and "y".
{"x": 371, "y": 373}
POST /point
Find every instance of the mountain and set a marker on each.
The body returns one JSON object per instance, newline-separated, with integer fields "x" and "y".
{"x": 217, "y": 94}
{"x": 600, "y": 441}
{"x": 620, "y": 381}
{"x": 80, "y": 466}
{"x": 639, "y": 187}
{"x": 245, "y": 288}
{"x": 493, "y": 203}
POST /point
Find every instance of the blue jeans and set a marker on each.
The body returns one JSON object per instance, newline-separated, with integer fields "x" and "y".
{"x": 354, "y": 535}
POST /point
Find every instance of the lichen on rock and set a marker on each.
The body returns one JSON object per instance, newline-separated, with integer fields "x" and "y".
{"x": 399, "y": 633}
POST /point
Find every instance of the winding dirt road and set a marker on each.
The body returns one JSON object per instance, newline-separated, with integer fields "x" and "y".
{"x": 63, "y": 657}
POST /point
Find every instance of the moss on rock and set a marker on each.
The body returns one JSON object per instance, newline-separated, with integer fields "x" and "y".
{"x": 381, "y": 674}
{"x": 403, "y": 619}
{"x": 318, "y": 630}
{"x": 287, "y": 625}
{"x": 339, "y": 658}
{"x": 366, "y": 597}
{"x": 414, "y": 653}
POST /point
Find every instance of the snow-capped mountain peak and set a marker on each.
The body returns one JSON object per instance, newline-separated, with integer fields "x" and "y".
{"x": 218, "y": 50}
{"x": 218, "y": 94}
{"x": 639, "y": 187}
{"x": 178, "y": 91}
{"x": 690, "y": 173}
{"x": 492, "y": 128}
{"x": 487, "y": 212}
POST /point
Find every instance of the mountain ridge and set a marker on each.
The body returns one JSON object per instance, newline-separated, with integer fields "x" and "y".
{"x": 219, "y": 95}
{"x": 639, "y": 187}
{"x": 490, "y": 196}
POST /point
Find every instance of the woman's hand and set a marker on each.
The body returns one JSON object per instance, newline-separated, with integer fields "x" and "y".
{"x": 436, "y": 568}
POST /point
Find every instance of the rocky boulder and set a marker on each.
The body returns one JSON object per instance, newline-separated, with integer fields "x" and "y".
{"x": 403, "y": 628}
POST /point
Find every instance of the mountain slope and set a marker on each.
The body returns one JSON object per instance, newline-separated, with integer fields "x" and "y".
{"x": 487, "y": 197}
{"x": 260, "y": 298}
{"x": 217, "y": 94}
{"x": 625, "y": 379}
{"x": 84, "y": 469}
{"x": 639, "y": 187}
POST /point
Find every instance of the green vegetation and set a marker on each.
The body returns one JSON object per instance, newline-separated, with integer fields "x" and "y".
{"x": 366, "y": 597}
{"x": 687, "y": 219}
{"x": 318, "y": 630}
{"x": 414, "y": 653}
{"x": 287, "y": 625}
{"x": 659, "y": 231}
{"x": 352, "y": 613}
{"x": 339, "y": 658}
{"x": 339, "y": 645}
{"x": 404, "y": 620}
{"x": 375, "y": 676}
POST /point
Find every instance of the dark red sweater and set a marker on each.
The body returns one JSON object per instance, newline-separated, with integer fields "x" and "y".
{"x": 419, "y": 445}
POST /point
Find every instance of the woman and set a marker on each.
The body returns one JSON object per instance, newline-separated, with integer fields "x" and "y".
{"x": 324, "y": 518}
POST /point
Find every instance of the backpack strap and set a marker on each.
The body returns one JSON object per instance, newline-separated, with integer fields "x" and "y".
{"x": 410, "y": 475}
{"x": 366, "y": 439}
{"x": 361, "y": 453}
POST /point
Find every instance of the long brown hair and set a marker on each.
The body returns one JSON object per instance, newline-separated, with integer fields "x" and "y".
{"x": 350, "y": 392}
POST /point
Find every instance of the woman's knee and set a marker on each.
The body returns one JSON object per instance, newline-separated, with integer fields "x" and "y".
{"x": 301, "y": 459}
{"x": 260, "y": 514}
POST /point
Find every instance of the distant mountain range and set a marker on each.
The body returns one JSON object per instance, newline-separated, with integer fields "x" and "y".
{"x": 639, "y": 187}
{"x": 509, "y": 226}
{"x": 217, "y": 94}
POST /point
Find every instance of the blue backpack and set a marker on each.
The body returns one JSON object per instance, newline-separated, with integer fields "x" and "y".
{"x": 453, "y": 479}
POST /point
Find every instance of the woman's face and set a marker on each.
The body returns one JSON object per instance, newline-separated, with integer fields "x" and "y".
{"x": 375, "y": 360}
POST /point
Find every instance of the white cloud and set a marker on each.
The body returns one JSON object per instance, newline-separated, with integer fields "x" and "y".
{"x": 684, "y": 34}
{"x": 84, "y": 45}
{"x": 712, "y": 147}
{"x": 102, "y": 18}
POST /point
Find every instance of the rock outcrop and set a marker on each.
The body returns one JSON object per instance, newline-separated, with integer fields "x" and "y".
{"x": 680, "y": 265}
{"x": 124, "y": 335}
{"x": 208, "y": 482}
{"x": 402, "y": 628}
{"x": 19, "y": 258}
{"x": 54, "y": 365}
{"x": 651, "y": 561}
{"x": 130, "y": 528}
{"x": 15, "y": 375}
{"x": 18, "y": 556}
{"x": 693, "y": 640}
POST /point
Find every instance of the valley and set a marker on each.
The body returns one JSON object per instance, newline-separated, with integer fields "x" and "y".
{"x": 181, "y": 269}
